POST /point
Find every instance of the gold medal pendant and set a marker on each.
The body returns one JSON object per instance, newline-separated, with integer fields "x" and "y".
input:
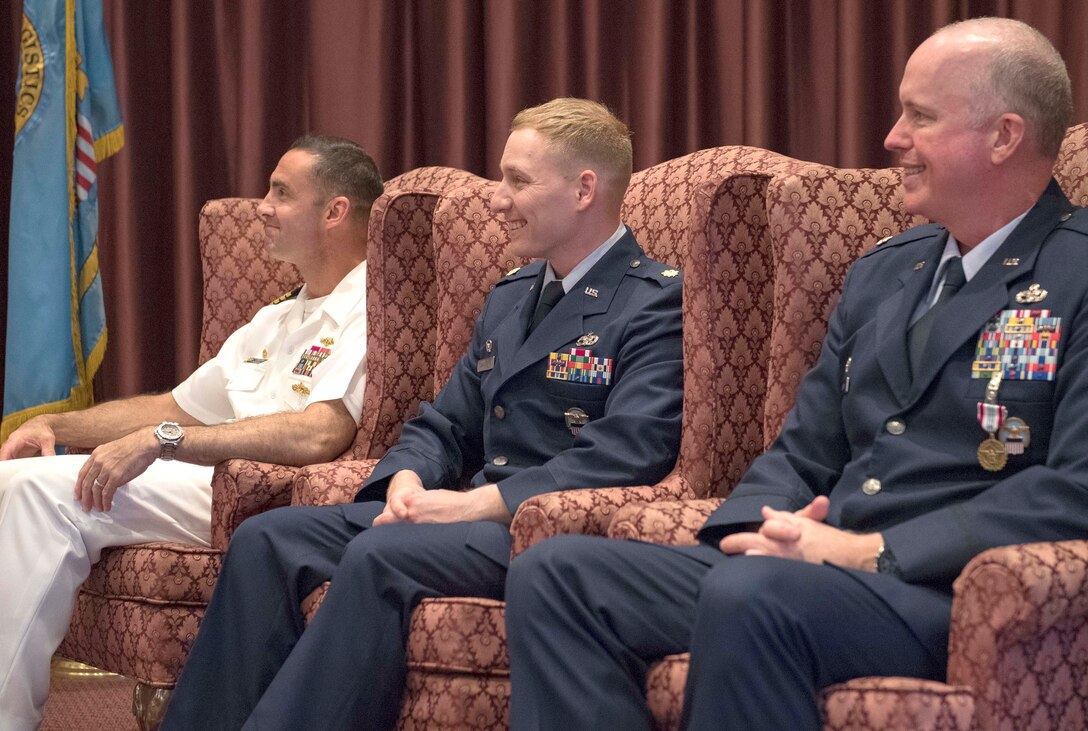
{"x": 992, "y": 455}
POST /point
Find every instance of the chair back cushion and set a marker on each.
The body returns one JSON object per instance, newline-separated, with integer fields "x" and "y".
{"x": 470, "y": 250}
{"x": 1071, "y": 169}
{"x": 401, "y": 298}
{"x": 821, "y": 220}
{"x": 239, "y": 275}
{"x": 705, "y": 212}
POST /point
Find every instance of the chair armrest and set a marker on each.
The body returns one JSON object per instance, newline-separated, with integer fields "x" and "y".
{"x": 585, "y": 512}
{"x": 674, "y": 522}
{"x": 331, "y": 483}
{"x": 243, "y": 487}
{"x": 1019, "y": 622}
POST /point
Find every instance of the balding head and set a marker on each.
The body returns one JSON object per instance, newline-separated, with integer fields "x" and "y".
{"x": 1018, "y": 71}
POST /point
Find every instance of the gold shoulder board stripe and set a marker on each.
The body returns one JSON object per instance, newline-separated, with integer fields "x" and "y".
{"x": 288, "y": 296}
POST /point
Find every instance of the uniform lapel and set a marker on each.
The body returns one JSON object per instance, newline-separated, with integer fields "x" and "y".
{"x": 509, "y": 334}
{"x": 988, "y": 291}
{"x": 893, "y": 318}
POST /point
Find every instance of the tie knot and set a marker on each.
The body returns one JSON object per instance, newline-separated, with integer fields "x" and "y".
{"x": 954, "y": 276}
{"x": 553, "y": 292}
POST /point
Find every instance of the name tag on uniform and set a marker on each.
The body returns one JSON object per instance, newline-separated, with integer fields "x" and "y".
{"x": 485, "y": 364}
{"x": 1021, "y": 344}
{"x": 580, "y": 366}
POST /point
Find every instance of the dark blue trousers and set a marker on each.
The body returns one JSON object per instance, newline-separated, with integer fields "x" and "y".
{"x": 586, "y": 617}
{"x": 253, "y": 666}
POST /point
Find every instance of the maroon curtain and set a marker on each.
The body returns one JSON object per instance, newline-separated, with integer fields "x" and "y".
{"x": 213, "y": 91}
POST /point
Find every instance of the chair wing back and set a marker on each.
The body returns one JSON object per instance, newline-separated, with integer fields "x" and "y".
{"x": 471, "y": 254}
{"x": 705, "y": 212}
{"x": 1071, "y": 169}
{"x": 433, "y": 179}
{"x": 821, "y": 220}
{"x": 400, "y": 305}
{"x": 239, "y": 275}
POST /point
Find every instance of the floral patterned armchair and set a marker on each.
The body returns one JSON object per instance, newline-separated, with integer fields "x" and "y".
{"x": 139, "y": 610}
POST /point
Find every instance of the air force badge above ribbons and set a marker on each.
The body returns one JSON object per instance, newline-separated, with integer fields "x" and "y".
{"x": 1021, "y": 344}
{"x": 580, "y": 366}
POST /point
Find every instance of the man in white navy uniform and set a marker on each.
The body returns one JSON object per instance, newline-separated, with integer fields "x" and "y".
{"x": 581, "y": 390}
{"x": 834, "y": 557}
{"x": 287, "y": 387}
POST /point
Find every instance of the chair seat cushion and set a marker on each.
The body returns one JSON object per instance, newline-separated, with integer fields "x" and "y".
{"x": 864, "y": 703}
{"x": 459, "y": 635}
{"x": 897, "y": 703}
{"x": 156, "y": 573}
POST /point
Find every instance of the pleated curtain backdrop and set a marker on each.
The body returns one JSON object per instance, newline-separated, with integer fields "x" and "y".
{"x": 213, "y": 91}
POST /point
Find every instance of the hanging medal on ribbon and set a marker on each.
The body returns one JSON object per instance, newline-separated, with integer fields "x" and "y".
{"x": 992, "y": 455}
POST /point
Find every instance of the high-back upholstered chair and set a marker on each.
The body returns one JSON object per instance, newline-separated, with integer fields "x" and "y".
{"x": 469, "y": 257}
{"x": 709, "y": 206}
{"x": 704, "y": 213}
{"x": 138, "y": 612}
{"x": 1019, "y": 636}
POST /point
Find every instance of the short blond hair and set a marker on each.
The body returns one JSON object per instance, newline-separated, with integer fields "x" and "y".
{"x": 588, "y": 131}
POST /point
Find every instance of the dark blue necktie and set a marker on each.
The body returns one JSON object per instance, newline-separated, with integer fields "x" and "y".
{"x": 954, "y": 279}
{"x": 553, "y": 292}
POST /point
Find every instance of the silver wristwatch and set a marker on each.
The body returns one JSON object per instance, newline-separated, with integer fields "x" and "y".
{"x": 170, "y": 435}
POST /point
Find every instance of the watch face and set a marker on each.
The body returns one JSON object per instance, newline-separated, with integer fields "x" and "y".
{"x": 169, "y": 431}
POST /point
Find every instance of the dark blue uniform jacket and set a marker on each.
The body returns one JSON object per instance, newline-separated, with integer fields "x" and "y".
{"x": 918, "y": 480}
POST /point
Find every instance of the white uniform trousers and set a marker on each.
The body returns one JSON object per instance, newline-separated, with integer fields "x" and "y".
{"x": 48, "y": 545}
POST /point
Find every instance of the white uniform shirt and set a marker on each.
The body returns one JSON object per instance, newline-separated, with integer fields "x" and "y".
{"x": 282, "y": 360}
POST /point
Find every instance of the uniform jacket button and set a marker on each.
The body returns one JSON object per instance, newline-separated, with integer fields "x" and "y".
{"x": 500, "y": 412}
{"x": 500, "y": 461}
{"x": 870, "y": 486}
{"x": 896, "y": 426}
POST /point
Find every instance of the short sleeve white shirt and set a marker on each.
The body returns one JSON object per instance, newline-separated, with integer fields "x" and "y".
{"x": 283, "y": 360}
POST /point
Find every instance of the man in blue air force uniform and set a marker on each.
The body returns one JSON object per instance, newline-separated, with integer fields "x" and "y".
{"x": 946, "y": 415}
{"x": 573, "y": 379}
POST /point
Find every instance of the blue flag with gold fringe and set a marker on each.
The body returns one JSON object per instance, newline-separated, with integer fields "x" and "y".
{"x": 67, "y": 120}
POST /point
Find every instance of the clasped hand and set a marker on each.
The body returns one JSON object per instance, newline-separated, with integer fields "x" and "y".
{"x": 408, "y": 501}
{"x": 804, "y": 536}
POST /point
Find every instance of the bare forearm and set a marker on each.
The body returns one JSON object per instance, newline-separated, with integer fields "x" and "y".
{"x": 487, "y": 504}
{"x": 862, "y": 552}
{"x": 319, "y": 434}
{"x": 114, "y": 419}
